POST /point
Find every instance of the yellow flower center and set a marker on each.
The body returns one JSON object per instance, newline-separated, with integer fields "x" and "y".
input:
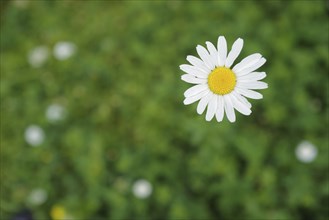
{"x": 221, "y": 80}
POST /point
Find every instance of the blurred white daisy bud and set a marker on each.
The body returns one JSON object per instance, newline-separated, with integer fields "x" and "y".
{"x": 37, "y": 197}
{"x": 38, "y": 56}
{"x": 306, "y": 152}
{"x": 64, "y": 50}
{"x": 55, "y": 112}
{"x": 142, "y": 189}
{"x": 34, "y": 135}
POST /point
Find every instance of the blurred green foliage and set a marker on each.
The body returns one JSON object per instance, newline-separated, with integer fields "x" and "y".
{"x": 125, "y": 118}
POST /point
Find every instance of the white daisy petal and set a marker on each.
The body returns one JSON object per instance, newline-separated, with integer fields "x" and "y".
{"x": 193, "y": 80}
{"x": 242, "y": 99}
{"x": 191, "y": 99}
{"x": 234, "y": 53}
{"x": 195, "y": 90}
{"x": 205, "y": 56}
{"x": 229, "y": 110}
{"x": 197, "y": 63}
{"x": 254, "y": 76}
{"x": 212, "y": 107}
{"x": 252, "y": 85}
{"x": 220, "y": 108}
{"x": 247, "y": 62}
{"x": 249, "y": 93}
{"x": 213, "y": 53}
{"x": 222, "y": 50}
{"x": 195, "y": 71}
{"x": 203, "y": 103}
{"x": 250, "y": 69}
{"x": 241, "y": 107}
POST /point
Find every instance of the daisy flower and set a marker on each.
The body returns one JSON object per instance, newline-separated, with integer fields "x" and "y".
{"x": 220, "y": 88}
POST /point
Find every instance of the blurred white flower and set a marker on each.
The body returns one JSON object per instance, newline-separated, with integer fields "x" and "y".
{"x": 37, "y": 197}
{"x": 34, "y": 135}
{"x": 55, "y": 112}
{"x": 306, "y": 152}
{"x": 21, "y": 3}
{"x": 64, "y": 50}
{"x": 38, "y": 56}
{"x": 142, "y": 189}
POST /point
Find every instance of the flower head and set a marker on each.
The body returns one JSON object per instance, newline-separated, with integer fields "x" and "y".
{"x": 37, "y": 197}
{"x": 38, "y": 56}
{"x": 34, "y": 135}
{"x": 58, "y": 212}
{"x": 55, "y": 112}
{"x": 306, "y": 152}
{"x": 220, "y": 88}
{"x": 142, "y": 189}
{"x": 64, "y": 50}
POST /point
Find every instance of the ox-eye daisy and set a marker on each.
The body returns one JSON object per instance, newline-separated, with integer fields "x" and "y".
{"x": 219, "y": 86}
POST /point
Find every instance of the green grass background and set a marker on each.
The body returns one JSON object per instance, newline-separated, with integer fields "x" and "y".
{"x": 126, "y": 120}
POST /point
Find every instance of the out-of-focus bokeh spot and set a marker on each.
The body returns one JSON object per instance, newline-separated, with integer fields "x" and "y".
{"x": 64, "y": 50}
{"x": 55, "y": 112}
{"x": 142, "y": 189}
{"x": 34, "y": 135}
{"x": 37, "y": 197}
{"x": 38, "y": 56}
{"x": 306, "y": 152}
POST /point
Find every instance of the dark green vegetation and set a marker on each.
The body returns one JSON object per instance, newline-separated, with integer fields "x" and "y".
{"x": 125, "y": 118}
